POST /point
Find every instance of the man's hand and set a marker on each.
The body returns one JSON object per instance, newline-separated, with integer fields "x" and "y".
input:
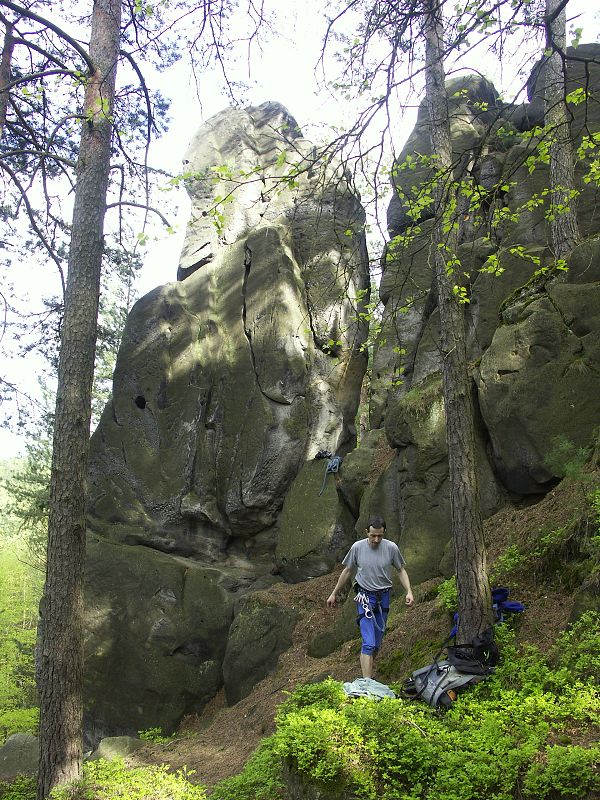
{"x": 409, "y": 598}
{"x": 331, "y": 600}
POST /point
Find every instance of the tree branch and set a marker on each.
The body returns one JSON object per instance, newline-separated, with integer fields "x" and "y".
{"x": 25, "y": 12}
{"x": 33, "y": 222}
{"x": 32, "y": 76}
{"x": 163, "y": 219}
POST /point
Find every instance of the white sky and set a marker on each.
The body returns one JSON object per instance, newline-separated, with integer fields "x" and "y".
{"x": 283, "y": 71}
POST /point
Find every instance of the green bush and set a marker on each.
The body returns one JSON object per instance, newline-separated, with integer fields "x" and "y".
{"x": 20, "y": 591}
{"x": 112, "y": 780}
{"x": 565, "y": 773}
{"x": 109, "y": 780}
{"x": 22, "y": 788}
{"x": 155, "y": 735}
{"x": 447, "y": 592}
{"x": 497, "y": 742}
{"x": 260, "y": 780}
{"x": 578, "y": 648}
{"x": 18, "y": 720}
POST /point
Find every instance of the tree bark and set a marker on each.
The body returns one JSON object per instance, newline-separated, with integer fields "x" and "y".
{"x": 474, "y": 600}
{"x": 5, "y": 62}
{"x": 61, "y": 650}
{"x": 564, "y": 229}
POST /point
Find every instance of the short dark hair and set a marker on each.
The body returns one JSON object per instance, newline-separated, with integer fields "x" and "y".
{"x": 376, "y": 522}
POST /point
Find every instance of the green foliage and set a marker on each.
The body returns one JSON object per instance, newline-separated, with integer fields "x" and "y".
{"x": 578, "y": 647}
{"x": 508, "y": 563}
{"x": 22, "y": 788}
{"x": 18, "y": 720}
{"x": 260, "y": 780}
{"x": 108, "y": 780}
{"x": 498, "y": 742}
{"x": 565, "y": 772}
{"x": 327, "y": 694}
{"x": 448, "y": 594}
{"x": 566, "y": 459}
{"x": 20, "y": 591}
{"x": 420, "y": 400}
{"x": 154, "y": 735}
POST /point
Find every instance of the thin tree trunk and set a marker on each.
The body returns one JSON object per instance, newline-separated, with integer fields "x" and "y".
{"x": 564, "y": 229}
{"x": 5, "y": 62}
{"x": 61, "y": 651}
{"x": 474, "y": 601}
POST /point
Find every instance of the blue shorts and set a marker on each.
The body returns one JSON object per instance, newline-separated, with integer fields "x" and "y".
{"x": 372, "y": 627}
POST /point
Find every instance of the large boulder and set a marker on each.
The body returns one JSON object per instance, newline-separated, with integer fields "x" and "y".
{"x": 315, "y": 529}
{"x": 155, "y": 637}
{"x": 536, "y": 354}
{"x": 416, "y": 426}
{"x": 261, "y": 631}
{"x": 539, "y": 380}
{"x": 19, "y": 755}
{"x": 227, "y": 382}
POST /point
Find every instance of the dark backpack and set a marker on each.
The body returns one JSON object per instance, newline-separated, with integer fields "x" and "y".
{"x": 438, "y": 684}
{"x": 478, "y": 658}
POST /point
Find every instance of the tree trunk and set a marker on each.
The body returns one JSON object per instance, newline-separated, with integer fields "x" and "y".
{"x": 5, "y": 62}
{"x": 474, "y": 601}
{"x": 564, "y": 229}
{"x": 61, "y": 651}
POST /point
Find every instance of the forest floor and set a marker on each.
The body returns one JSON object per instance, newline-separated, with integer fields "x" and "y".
{"x": 217, "y": 743}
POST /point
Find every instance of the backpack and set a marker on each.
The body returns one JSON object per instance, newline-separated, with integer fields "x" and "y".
{"x": 438, "y": 684}
{"x": 478, "y": 658}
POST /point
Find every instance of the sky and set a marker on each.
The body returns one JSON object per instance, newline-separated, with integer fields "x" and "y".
{"x": 283, "y": 68}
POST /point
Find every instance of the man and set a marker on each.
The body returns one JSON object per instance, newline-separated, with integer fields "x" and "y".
{"x": 374, "y": 558}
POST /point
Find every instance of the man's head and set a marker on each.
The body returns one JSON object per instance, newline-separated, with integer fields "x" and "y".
{"x": 375, "y": 531}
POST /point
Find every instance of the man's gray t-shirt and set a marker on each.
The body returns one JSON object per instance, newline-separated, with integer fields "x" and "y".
{"x": 374, "y": 563}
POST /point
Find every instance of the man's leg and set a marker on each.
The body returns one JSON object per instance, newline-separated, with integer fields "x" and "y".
{"x": 366, "y": 665}
{"x": 367, "y": 631}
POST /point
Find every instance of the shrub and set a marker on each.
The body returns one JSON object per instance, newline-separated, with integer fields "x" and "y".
{"x": 497, "y": 742}
{"x": 578, "y": 648}
{"x": 447, "y": 592}
{"x": 564, "y": 773}
{"x": 22, "y": 788}
{"x": 109, "y": 780}
{"x": 260, "y": 779}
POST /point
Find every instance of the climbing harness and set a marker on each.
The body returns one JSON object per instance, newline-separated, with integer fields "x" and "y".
{"x": 363, "y": 598}
{"x": 333, "y": 465}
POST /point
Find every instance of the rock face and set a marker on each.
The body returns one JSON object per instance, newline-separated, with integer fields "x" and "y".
{"x": 532, "y": 339}
{"x": 19, "y": 756}
{"x": 204, "y": 490}
{"x": 226, "y": 383}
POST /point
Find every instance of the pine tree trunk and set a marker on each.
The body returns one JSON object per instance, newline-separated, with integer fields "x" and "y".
{"x": 5, "y": 64}
{"x": 474, "y": 602}
{"x": 564, "y": 229}
{"x": 61, "y": 650}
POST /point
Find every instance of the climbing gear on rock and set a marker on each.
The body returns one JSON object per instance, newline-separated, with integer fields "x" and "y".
{"x": 333, "y": 465}
{"x": 323, "y": 454}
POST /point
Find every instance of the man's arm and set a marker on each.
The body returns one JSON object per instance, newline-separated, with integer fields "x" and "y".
{"x": 405, "y": 581}
{"x": 341, "y": 582}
